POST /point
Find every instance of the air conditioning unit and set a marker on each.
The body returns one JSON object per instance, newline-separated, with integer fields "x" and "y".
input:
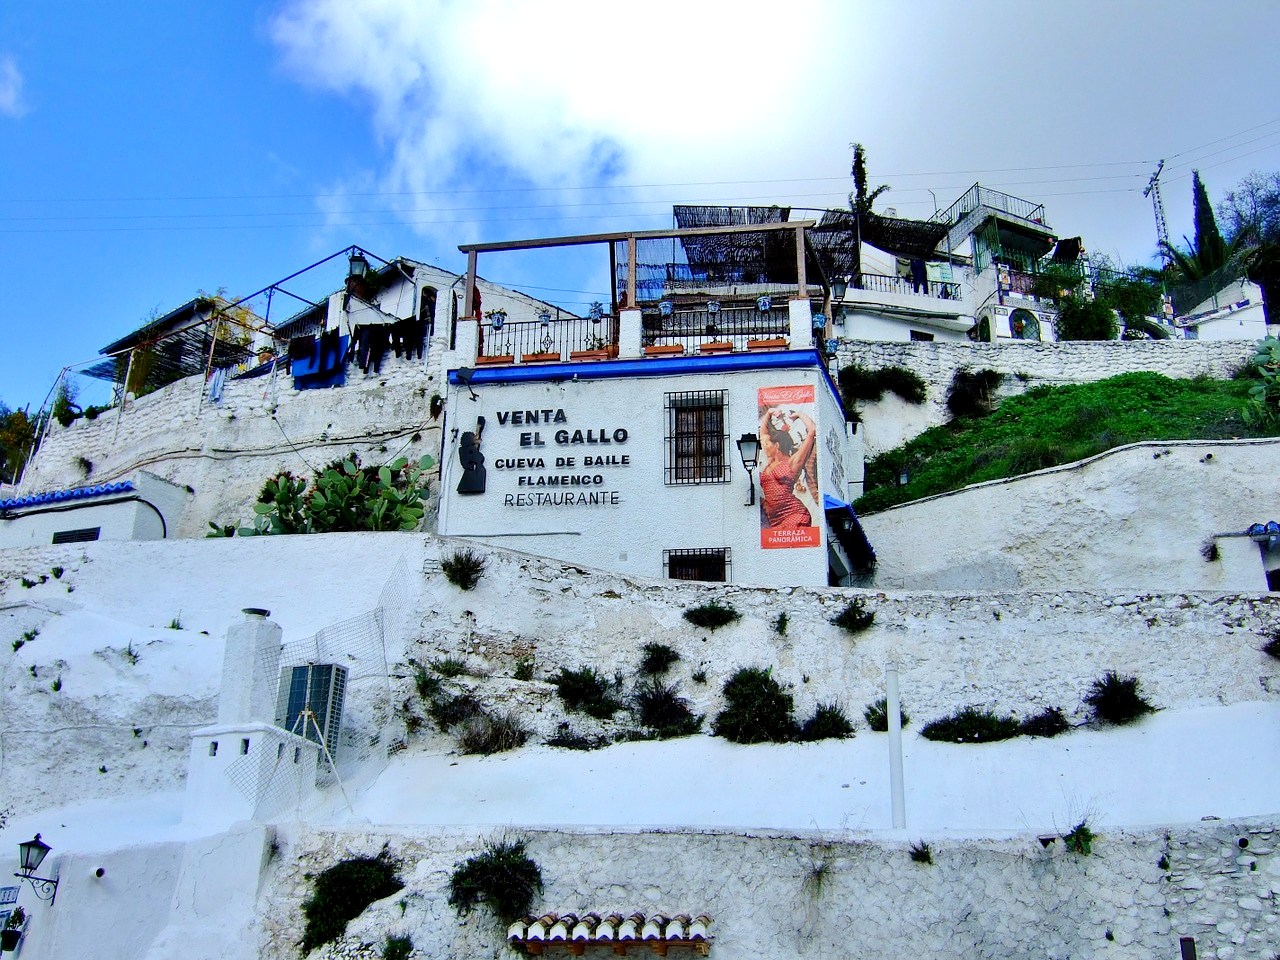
{"x": 310, "y": 702}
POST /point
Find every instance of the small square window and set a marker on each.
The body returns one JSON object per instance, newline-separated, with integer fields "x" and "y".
{"x": 710, "y": 565}
{"x": 244, "y": 746}
{"x": 213, "y": 748}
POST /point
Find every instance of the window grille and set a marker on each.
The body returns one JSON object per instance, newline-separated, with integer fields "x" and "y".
{"x": 709, "y": 564}
{"x": 77, "y": 536}
{"x": 696, "y": 439}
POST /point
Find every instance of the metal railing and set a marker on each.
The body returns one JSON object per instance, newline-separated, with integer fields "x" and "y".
{"x": 526, "y": 338}
{"x": 980, "y": 196}
{"x": 882, "y": 283}
{"x": 691, "y": 328}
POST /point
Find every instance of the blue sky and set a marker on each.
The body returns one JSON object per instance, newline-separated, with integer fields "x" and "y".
{"x": 149, "y": 151}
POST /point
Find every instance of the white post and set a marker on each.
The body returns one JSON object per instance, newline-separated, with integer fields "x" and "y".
{"x": 800, "y": 319}
{"x": 893, "y": 708}
{"x": 630, "y": 332}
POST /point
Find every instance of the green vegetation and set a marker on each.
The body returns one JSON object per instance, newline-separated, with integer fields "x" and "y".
{"x": 1049, "y": 722}
{"x": 1116, "y": 699}
{"x": 502, "y": 876}
{"x": 827, "y": 723}
{"x": 658, "y": 659}
{"x": 341, "y": 893}
{"x": 662, "y": 709}
{"x": 756, "y": 710}
{"x": 397, "y": 948}
{"x": 921, "y": 852}
{"x": 463, "y": 568}
{"x": 855, "y": 617}
{"x": 585, "y": 690}
{"x": 485, "y": 733}
{"x": 712, "y": 615}
{"x": 1079, "y": 839}
{"x": 1047, "y": 426}
{"x": 861, "y": 383}
{"x": 971, "y": 725}
{"x": 877, "y": 716}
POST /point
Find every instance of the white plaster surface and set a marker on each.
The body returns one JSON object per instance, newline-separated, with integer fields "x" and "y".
{"x": 1132, "y": 518}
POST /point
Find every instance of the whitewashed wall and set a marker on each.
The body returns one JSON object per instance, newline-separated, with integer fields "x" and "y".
{"x": 1132, "y": 518}
{"x": 643, "y": 515}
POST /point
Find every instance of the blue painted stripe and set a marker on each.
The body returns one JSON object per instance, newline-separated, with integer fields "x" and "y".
{"x": 60, "y": 496}
{"x": 651, "y": 367}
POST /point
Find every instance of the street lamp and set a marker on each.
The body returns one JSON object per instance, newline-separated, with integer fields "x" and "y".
{"x": 749, "y": 450}
{"x": 30, "y": 855}
{"x": 839, "y": 287}
{"x": 357, "y": 265}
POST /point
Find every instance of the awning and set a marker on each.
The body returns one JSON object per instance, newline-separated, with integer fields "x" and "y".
{"x": 848, "y": 531}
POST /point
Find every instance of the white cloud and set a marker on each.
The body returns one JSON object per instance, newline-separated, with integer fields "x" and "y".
{"x": 11, "y": 102}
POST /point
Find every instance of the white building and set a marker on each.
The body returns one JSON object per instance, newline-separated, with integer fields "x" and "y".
{"x": 145, "y": 507}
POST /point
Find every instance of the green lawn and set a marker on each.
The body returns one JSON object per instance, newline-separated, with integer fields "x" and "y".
{"x": 1047, "y": 426}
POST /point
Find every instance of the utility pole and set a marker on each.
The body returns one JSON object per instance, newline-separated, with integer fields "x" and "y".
{"x": 1162, "y": 228}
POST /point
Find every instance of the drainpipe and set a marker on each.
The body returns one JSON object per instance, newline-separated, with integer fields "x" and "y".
{"x": 893, "y": 709}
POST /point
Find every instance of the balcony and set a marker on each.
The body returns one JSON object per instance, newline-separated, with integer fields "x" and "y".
{"x": 905, "y": 286}
{"x": 543, "y": 341}
{"x": 1020, "y": 223}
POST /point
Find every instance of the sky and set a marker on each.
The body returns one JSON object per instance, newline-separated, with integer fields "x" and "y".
{"x": 150, "y": 152}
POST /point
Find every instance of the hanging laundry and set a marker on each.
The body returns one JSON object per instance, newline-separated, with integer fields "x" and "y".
{"x": 331, "y": 350}
{"x": 216, "y": 382}
{"x": 372, "y": 341}
{"x": 302, "y": 348}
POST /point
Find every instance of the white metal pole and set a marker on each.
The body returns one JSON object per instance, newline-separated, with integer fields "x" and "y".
{"x": 893, "y": 708}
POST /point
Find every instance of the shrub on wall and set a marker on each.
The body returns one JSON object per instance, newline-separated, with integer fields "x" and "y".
{"x": 485, "y": 733}
{"x": 855, "y": 617}
{"x": 1049, "y": 722}
{"x": 1272, "y": 647}
{"x": 658, "y": 659}
{"x": 661, "y": 708}
{"x": 712, "y": 615}
{"x": 973, "y": 392}
{"x": 877, "y": 715}
{"x": 756, "y": 710}
{"x": 1116, "y": 699}
{"x": 827, "y": 723}
{"x": 860, "y": 383}
{"x": 342, "y": 892}
{"x": 463, "y": 568}
{"x": 585, "y": 690}
{"x": 971, "y": 725}
{"x": 502, "y": 876}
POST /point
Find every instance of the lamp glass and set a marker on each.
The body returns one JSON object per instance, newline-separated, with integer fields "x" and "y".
{"x": 749, "y": 449}
{"x": 357, "y": 265}
{"x": 32, "y": 853}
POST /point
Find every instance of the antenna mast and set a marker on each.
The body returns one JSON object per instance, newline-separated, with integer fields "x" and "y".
{"x": 1162, "y": 228}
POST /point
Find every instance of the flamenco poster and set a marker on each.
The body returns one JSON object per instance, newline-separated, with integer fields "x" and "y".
{"x": 789, "y": 468}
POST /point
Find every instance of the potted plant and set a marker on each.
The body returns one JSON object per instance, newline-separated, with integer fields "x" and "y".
{"x": 12, "y": 932}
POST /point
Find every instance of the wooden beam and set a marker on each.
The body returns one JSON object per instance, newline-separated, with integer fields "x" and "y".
{"x": 468, "y": 295}
{"x": 581, "y": 239}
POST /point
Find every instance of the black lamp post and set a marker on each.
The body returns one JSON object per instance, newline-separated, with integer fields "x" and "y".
{"x": 749, "y": 450}
{"x": 30, "y": 855}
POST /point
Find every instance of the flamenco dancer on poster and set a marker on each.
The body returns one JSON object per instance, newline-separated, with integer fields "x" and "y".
{"x": 785, "y": 460}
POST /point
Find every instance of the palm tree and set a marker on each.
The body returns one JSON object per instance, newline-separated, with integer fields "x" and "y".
{"x": 860, "y": 200}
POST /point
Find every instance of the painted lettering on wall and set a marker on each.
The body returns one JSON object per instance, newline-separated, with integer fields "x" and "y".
{"x": 544, "y": 479}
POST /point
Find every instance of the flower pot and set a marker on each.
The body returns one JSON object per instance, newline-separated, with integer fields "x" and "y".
{"x": 9, "y": 939}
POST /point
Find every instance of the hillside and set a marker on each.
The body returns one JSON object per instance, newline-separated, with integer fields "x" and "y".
{"x": 1048, "y": 426}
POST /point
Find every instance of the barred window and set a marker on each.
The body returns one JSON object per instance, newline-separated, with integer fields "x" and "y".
{"x": 696, "y": 441}
{"x": 710, "y": 564}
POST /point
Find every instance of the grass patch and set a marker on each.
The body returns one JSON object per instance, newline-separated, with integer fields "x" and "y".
{"x": 342, "y": 892}
{"x": 1049, "y": 722}
{"x": 855, "y": 617}
{"x": 176, "y": 622}
{"x": 427, "y": 684}
{"x": 972, "y": 725}
{"x": 463, "y": 568}
{"x": 877, "y": 715}
{"x": 566, "y": 738}
{"x": 1079, "y": 839}
{"x": 757, "y": 709}
{"x": 1047, "y": 426}
{"x": 1116, "y": 699}
{"x": 449, "y": 667}
{"x": 503, "y": 876}
{"x": 587, "y": 690}
{"x": 827, "y": 723}
{"x": 780, "y": 624}
{"x": 524, "y": 669}
{"x": 397, "y": 948}
{"x": 485, "y": 733}
{"x": 448, "y": 712}
{"x": 921, "y": 853}
{"x": 712, "y": 615}
{"x": 57, "y": 572}
{"x": 658, "y": 659}
{"x": 661, "y": 708}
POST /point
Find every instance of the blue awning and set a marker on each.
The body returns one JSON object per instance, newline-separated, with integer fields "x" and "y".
{"x": 848, "y": 531}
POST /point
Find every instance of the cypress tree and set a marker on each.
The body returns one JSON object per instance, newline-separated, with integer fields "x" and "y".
{"x": 1210, "y": 249}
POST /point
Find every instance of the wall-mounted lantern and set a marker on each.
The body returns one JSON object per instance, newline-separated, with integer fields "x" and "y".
{"x": 713, "y": 307}
{"x": 749, "y": 450}
{"x": 839, "y": 287}
{"x": 30, "y": 855}
{"x": 357, "y": 265}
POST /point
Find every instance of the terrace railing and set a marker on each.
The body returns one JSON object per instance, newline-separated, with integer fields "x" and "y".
{"x": 881, "y": 283}
{"x": 520, "y": 339}
{"x": 696, "y": 326}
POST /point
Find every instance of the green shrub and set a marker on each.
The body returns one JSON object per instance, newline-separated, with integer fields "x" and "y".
{"x": 855, "y": 617}
{"x": 463, "y": 568}
{"x": 658, "y": 659}
{"x": 585, "y": 690}
{"x": 1079, "y": 839}
{"x": 756, "y": 710}
{"x": 485, "y": 733}
{"x": 712, "y": 615}
{"x": 780, "y": 624}
{"x": 877, "y": 715}
{"x": 503, "y": 876}
{"x": 972, "y": 392}
{"x": 57, "y": 572}
{"x": 449, "y": 667}
{"x": 921, "y": 853}
{"x": 661, "y": 708}
{"x": 448, "y": 711}
{"x": 397, "y": 948}
{"x": 342, "y": 892}
{"x": 860, "y": 383}
{"x": 971, "y": 725}
{"x": 1116, "y": 699}
{"x": 1080, "y": 319}
{"x": 1264, "y": 392}
{"x": 427, "y": 684}
{"x": 1049, "y": 722}
{"x": 827, "y": 723}
{"x": 566, "y": 738}
{"x": 524, "y": 669}
{"x": 907, "y": 384}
